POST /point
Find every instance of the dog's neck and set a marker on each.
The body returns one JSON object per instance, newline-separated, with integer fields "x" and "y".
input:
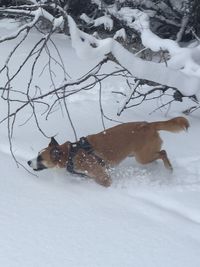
{"x": 65, "y": 148}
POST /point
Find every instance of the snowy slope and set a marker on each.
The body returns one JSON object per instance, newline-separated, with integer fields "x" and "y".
{"x": 147, "y": 218}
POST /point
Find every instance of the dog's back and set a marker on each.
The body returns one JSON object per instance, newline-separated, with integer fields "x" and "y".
{"x": 139, "y": 139}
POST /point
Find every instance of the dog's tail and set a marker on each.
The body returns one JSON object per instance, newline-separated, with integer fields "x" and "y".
{"x": 174, "y": 125}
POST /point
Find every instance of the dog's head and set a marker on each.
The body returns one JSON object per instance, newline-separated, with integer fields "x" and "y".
{"x": 54, "y": 155}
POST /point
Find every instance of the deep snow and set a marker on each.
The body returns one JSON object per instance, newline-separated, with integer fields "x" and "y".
{"x": 147, "y": 218}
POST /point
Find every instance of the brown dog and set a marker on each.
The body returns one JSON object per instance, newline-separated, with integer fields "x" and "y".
{"x": 93, "y": 155}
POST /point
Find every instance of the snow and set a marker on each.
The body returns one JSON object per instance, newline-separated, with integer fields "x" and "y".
{"x": 182, "y": 72}
{"x": 120, "y": 34}
{"x": 180, "y": 58}
{"x": 85, "y": 18}
{"x": 8, "y": 24}
{"x": 36, "y": 14}
{"x": 140, "y": 21}
{"x": 84, "y": 42}
{"x": 147, "y": 218}
{"x": 104, "y": 20}
{"x": 58, "y": 22}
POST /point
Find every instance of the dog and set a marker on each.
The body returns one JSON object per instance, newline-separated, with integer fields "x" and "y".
{"x": 95, "y": 154}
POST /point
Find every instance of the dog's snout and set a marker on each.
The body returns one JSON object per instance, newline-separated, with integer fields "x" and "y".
{"x": 37, "y": 164}
{"x": 32, "y": 163}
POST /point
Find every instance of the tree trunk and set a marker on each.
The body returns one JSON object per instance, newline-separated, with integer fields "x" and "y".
{"x": 196, "y": 17}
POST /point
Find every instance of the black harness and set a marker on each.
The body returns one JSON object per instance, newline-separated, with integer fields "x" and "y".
{"x": 74, "y": 148}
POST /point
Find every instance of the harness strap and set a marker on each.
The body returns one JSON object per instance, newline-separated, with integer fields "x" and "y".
{"x": 74, "y": 148}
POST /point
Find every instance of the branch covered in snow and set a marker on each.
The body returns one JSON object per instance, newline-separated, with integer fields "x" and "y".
{"x": 37, "y": 14}
{"x": 181, "y": 73}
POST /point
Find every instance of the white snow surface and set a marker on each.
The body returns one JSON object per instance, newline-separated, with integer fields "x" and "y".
{"x": 147, "y": 218}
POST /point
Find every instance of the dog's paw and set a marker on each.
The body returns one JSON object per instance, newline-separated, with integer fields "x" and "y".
{"x": 105, "y": 181}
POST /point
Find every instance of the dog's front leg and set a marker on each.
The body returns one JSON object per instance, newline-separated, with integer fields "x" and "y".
{"x": 102, "y": 178}
{"x": 88, "y": 164}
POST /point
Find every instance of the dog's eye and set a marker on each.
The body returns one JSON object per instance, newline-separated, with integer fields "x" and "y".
{"x": 56, "y": 153}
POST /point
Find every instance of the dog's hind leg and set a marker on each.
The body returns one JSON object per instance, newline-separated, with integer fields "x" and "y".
{"x": 147, "y": 158}
{"x": 163, "y": 155}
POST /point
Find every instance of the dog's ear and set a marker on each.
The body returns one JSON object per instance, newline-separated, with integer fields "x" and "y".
{"x": 53, "y": 142}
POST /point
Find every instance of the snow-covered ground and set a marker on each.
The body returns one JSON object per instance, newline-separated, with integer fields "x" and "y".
{"x": 147, "y": 218}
